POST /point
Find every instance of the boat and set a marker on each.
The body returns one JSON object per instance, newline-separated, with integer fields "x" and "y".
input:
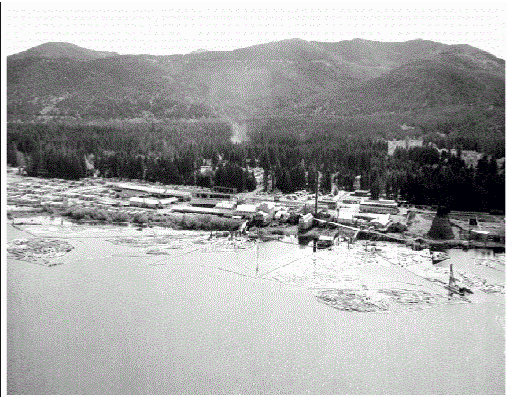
{"x": 437, "y": 257}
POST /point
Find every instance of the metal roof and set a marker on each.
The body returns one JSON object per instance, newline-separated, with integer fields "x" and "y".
{"x": 379, "y": 203}
{"x": 202, "y": 210}
{"x": 480, "y": 231}
{"x": 247, "y": 208}
{"x": 154, "y": 190}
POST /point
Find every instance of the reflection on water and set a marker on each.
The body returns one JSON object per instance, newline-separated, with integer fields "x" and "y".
{"x": 55, "y": 220}
{"x": 49, "y": 220}
{"x": 477, "y": 255}
{"x": 104, "y": 324}
{"x": 487, "y": 252}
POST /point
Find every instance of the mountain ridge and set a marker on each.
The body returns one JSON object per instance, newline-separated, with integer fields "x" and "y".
{"x": 62, "y": 50}
{"x": 349, "y": 78}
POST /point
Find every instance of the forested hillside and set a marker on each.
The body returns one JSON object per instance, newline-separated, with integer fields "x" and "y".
{"x": 174, "y": 154}
{"x": 296, "y": 107}
{"x": 354, "y": 82}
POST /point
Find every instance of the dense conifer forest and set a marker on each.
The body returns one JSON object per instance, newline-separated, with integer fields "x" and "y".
{"x": 173, "y": 153}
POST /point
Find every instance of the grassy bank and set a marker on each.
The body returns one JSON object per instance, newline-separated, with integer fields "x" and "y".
{"x": 175, "y": 221}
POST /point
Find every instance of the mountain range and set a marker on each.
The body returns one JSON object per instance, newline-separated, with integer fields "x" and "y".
{"x": 407, "y": 82}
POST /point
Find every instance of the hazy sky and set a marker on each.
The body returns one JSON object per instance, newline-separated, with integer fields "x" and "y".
{"x": 158, "y": 29}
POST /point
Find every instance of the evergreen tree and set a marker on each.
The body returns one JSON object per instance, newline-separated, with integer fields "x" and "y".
{"x": 325, "y": 184}
{"x": 375, "y": 190}
{"x": 311, "y": 180}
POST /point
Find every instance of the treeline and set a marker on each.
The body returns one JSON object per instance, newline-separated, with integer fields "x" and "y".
{"x": 279, "y": 129}
{"x": 423, "y": 176}
{"x": 480, "y": 128}
{"x": 291, "y": 162}
{"x": 174, "y": 220}
{"x": 176, "y": 154}
{"x": 290, "y": 153}
{"x": 419, "y": 175}
{"x": 170, "y": 153}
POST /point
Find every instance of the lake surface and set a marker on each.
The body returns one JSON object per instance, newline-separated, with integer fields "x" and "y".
{"x": 108, "y": 322}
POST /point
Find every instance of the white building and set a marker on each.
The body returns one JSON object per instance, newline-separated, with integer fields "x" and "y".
{"x": 306, "y": 221}
{"x": 379, "y": 207}
{"x": 246, "y": 210}
{"x": 471, "y": 157}
{"x": 381, "y": 220}
{"x": 347, "y": 214}
{"x": 403, "y": 144}
{"x": 129, "y": 189}
{"x": 229, "y": 205}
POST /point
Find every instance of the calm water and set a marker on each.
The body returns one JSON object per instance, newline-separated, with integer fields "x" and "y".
{"x": 103, "y": 324}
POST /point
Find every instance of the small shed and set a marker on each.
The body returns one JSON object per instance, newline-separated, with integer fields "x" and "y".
{"x": 151, "y": 203}
{"x": 361, "y": 193}
{"x": 246, "y": 210}
{"x": 325, "y": 241}
{"x": 306, "y": 221}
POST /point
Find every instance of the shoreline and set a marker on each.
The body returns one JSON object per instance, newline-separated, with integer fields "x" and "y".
{"x": 269, "y": 232}
{"x": 359, "y": 266}
{"x": 95, "y": 212}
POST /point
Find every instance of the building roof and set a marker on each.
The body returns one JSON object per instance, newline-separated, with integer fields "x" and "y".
{"x": 349, "y": 208}
{"x": 347, "y": 213}
{"x": 480, "y": 231}
{"x": 387, "y": 201}
{"x": 226, "y": 204}
{"x": 144, "y": 200}
{"x": 130, "y": 186}
{"x": 382, "y": 219}
{"x": 380, "y": 203}
{"x": 201, "y": 210}
{"x": 154, "y": 190}
{"x": 246, "y": 208}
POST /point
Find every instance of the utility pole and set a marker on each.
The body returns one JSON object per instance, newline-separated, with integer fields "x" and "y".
{"x": 268, "y": 171}
{"x": 316, "y": 201}
{"x": 257, "y": 254}
{"x": 451, "y": 281}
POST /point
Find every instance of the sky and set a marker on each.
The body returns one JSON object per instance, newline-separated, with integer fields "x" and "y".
{"x": 159, "y": 29}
